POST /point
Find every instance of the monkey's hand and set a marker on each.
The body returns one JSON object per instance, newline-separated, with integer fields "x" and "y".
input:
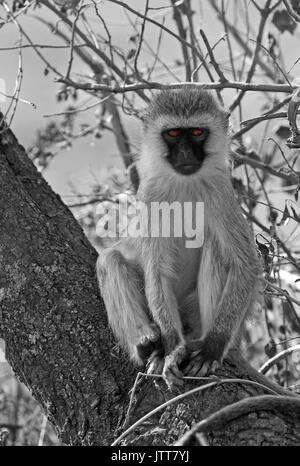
{"x": 205, "y": 356}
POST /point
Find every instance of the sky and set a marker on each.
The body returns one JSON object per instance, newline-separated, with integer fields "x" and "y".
{"x": 89, "y": 160}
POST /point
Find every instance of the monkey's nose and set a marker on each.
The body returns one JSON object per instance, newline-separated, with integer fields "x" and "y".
{"x": 185, "y": 155}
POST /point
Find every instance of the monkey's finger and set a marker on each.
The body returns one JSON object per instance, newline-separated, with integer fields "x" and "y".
{"x": 155, "y": 364}
{"x": 205, "y": 368}
{"x": 194, "y": 365}
{"x": 209, "y": 367}
{"x": 175, "y": 371}
{"x": 193, "y": 369}
{"x": 156, "y": 357}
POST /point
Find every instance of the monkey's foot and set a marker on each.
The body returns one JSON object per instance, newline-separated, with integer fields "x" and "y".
{"x": 201, "y": 365}
{"x": 149, "y": 343}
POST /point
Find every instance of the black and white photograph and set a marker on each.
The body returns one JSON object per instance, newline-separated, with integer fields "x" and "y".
{"x": 149, "y": 226}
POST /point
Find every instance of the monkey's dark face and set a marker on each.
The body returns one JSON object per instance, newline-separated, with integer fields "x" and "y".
{"x": 186, "y": 151}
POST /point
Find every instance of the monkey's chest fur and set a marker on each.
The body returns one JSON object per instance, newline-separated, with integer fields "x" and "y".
{"x": 188, "y": 269}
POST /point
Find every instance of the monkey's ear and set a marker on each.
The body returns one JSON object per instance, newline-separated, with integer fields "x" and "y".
{"x": 134, "y": 177}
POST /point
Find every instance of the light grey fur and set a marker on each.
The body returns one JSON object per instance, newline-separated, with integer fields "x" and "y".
{"x": 190, "y": 294}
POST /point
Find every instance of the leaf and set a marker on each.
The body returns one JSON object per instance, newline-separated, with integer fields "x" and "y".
{"x": 133, "y": 38}
{"x": 270, "y": 349}
{"x": 285, "y": 217}
{"x": 296, "y": 216}
{"x": 283, "y": 22}
{"x": 266, "y": 253}
{"x": 131, "y": 54}
{"x": 282, "y": 329}
{"x": 262, "y": 249}
{"x": 283, "y": 131}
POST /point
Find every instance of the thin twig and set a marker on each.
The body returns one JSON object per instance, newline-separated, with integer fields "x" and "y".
{"x": 169, "y": 31}
{"x": 182, "y": 33}
{"x": 268, "y": 364}
{"x": 283, "y": 293}
{"x": 78, "y": 110}
{"x": 256, "y": 163}
{"x": 284, "y": 74}
{"x": 264, "y": 16}
{"x": 291, "y": 11}
{"x": 249, "y": 124}
{"x": 72, "y": 42}
{"x": 238, "y": 37}
{"x": 212, "y": 58}
{"x": 138, "y": 50}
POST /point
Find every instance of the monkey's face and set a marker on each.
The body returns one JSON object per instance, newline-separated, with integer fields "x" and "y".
{"x": 186, "y": 148}
{"x": 185, "y": 136}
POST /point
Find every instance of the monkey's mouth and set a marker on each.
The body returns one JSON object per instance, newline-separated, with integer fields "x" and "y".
{"x": 188, "y": 168}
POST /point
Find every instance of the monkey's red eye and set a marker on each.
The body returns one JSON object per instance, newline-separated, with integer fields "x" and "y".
{"x": 174, "y": 133}
{"x": 197, "y": 132}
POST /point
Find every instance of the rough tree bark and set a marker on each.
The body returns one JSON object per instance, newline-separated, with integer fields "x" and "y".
{"x": 57, "y": 339}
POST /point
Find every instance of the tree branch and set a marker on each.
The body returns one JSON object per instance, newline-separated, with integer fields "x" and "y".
{"x": 243, "y": 86}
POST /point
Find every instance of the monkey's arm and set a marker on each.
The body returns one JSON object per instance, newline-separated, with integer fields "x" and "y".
{"x": 236, "y": 300}
{"x": 233, "y": 281}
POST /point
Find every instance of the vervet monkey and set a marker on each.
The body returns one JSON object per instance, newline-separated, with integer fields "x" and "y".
{"x": 161, "y": 296}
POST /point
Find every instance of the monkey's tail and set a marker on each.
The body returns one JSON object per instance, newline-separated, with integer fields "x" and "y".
{"x": 247, "y": 371}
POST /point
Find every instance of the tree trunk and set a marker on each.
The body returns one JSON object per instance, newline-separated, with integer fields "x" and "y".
{"x": 53, "y": 321}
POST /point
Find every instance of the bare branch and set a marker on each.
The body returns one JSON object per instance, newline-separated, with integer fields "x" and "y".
{"x": 156, "y": 85}
{"x": 237, "y": 36}
{"x": 254, "y": 162}
{"x": 138, "y": 50}
{"x": 110, "y": 64}
{"x": 212, "y": 58}
{"x": 283, "y": 354}
{"x": 182, "y": 32}
{"x": 264, "y": 16}
{"x": 291, "y": 11}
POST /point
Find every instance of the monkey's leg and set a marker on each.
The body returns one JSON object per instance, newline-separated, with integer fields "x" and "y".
{"x": 122, "y": 289}
{"x": 164, "y": 309}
